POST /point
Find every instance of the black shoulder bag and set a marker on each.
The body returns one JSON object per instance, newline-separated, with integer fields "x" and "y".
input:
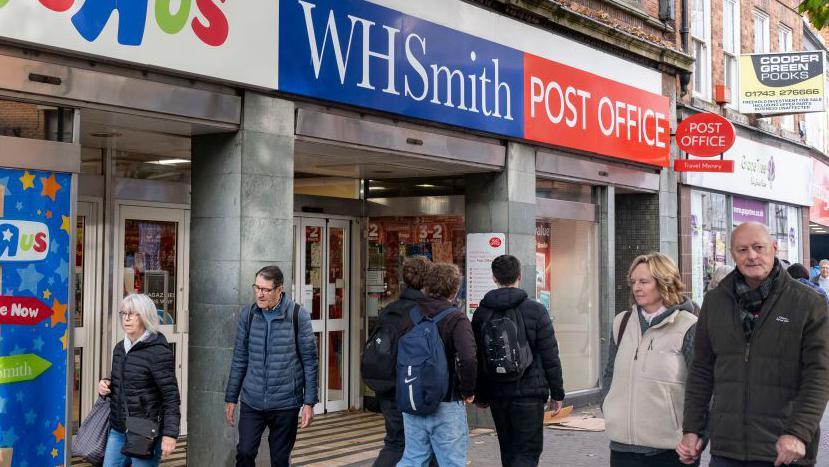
{"x": 141, "y": 433}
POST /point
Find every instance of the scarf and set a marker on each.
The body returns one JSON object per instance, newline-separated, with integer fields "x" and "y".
{"x": 750, "y": 301}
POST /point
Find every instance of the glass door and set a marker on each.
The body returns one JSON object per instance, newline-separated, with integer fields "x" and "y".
{"x": 88, "y": 239}
{"x": 322, "y": 287}
{"x": 153, "y": 248}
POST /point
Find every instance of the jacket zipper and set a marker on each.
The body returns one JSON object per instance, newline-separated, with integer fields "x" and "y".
{"x": 632, "y": 380}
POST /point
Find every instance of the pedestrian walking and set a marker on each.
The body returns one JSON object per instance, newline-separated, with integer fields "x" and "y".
{"x": 273, "y": 372}
{"x": 760, "y": 375}
{"x": 379, "y": 358}
{"x": 444, "y": 431}
{"x": 142, "y": 389}
{"x": 822, "y": 279}
{"x": 801, "y": 274}
{"x": 519, "y": 370}
{"x": 650, "y": 350}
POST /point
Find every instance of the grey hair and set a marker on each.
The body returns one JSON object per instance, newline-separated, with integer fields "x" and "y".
{"x": 144, "y": 307}
{"x": 823, "y": 262}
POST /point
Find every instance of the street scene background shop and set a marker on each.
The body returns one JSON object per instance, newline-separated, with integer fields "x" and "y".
{"x": 333, "y": 159}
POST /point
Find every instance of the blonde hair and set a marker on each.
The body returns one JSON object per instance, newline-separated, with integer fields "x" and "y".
{"x": 664, "y": 271}
{"x": 144, "y": 307}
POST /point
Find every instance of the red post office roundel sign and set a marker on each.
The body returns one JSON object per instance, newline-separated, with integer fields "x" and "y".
{"x": 705, "y": 135}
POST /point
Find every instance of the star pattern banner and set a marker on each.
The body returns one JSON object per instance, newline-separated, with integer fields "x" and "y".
{"x": 34, "y": 323}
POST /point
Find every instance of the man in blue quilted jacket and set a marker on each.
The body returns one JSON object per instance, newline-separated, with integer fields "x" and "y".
{"x": 274, "y": 368}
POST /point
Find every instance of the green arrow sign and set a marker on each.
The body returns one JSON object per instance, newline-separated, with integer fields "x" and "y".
{"x": 25, "y": 367}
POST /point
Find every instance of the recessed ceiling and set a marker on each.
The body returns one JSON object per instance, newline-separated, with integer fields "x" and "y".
{"x": 334, "y": 160}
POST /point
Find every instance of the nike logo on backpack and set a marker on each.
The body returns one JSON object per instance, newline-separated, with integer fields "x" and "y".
{"x": 407, "y": 380}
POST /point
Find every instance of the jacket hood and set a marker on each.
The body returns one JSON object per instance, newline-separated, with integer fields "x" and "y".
{"x": 505, "y": 298}
{"x": 409, "y": 293}
{"x": 431, "y": 306}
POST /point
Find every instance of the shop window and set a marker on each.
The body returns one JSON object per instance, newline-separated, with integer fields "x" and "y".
{"x": 709, "y": 239}
{"x": 150, "y": 249}
{"x": 391, "y": 240}
{"x": 566, "y": 283}
{"x": 34, "y": 121}
{"x": 784, "y": 224}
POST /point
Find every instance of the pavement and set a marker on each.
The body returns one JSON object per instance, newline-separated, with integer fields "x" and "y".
{"x": 588, "y": 449}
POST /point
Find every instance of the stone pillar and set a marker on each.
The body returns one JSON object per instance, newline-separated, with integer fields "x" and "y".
{"x": 242, "y": 219}
{"x": 505, "y": 203}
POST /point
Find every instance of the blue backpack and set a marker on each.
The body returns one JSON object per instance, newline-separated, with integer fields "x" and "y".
{"x": 422, "y": 371}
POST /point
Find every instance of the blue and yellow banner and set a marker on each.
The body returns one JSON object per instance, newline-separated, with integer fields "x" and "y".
{"x": 35, "y": 228}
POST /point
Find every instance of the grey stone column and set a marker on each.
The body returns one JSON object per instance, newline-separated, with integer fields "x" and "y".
{"x": 505, "y": 203}
{"x": 242, "y": 219}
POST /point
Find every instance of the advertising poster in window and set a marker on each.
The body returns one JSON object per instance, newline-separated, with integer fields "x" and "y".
{"x": 481, "y": 250}
{"x": 35, "y": 228}
{"x": 543, "y": 281}
{"x": 782, "y": 83}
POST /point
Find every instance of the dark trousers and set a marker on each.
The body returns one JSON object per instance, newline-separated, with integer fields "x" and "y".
{"x": 282, "y": 426}
{"x": 632, "y": 459}
{"x": 717, "y": 461}
{"x": 520, "y": 427}
{"x": 394, "y": 443}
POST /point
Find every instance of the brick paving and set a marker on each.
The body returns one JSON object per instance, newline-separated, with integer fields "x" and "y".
{"x": 584, "y": 449}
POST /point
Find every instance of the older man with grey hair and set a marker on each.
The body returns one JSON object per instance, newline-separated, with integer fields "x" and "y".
{"x": 759, "y": 381}
{"x": 822, "y": 279}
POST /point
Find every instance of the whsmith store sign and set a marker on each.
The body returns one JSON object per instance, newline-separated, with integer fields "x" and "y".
{"x": 359, "y": 53}
{"x": 473, "y": 70}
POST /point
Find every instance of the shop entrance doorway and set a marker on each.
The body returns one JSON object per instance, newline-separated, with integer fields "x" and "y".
{"x": 153, "y": 244}
{"x": 322, "y": 265}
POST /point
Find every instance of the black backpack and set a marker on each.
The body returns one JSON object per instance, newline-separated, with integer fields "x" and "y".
{"x": 378, "y": 362}
{"x": 506, "y": 352}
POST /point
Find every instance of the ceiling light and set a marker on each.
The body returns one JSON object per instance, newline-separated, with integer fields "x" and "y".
{"x": 426, "y": 185}
{"x": 169, "y": 161}
{"x": 375, "y": 188}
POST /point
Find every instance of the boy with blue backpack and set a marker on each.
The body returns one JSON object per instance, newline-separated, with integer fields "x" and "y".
{"x": 436, "y": 370}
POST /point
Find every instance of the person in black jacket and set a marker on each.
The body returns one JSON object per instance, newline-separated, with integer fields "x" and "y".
{"x": 142, "y": 384}
{"x": 518, "y": 406}
{"x": 396, "y": 314}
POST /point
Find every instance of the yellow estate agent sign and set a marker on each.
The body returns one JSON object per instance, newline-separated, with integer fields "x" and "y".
{"x": 781, "y": 83}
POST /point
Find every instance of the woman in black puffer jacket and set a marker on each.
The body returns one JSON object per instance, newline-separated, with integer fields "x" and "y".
{"x": 143, "y": 383}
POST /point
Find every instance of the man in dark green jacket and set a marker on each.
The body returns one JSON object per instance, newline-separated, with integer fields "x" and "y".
{"x": 762, "y": 352}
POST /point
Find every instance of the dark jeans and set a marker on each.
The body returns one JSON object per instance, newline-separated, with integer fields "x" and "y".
{"x": 282, "y": 426}
{"x": 394, "y": 442}
{"x": 520, "y": 427}
{"x": 717, "y": 461}
{"x": 632, "y": 459}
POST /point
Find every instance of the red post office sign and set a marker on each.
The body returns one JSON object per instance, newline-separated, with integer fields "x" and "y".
{"x": 705, "y": 135}
{"x": 23, "y": 310}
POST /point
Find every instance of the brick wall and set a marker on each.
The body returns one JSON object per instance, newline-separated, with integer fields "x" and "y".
{"x": 637, "y": 233}
{"x": 779, "y": 12}
{"x": 21, "y": 120}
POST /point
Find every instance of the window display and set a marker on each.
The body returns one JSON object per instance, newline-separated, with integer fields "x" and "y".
{"x": 442, "y": 239}
{"x": 785, "y": 228}
{"x": 709, "y": 237}
{"x": 567, "y": 283}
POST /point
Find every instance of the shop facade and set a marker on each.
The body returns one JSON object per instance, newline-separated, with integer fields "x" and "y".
{"x": 334, "y": 148}
{"x": 771, "y": 184}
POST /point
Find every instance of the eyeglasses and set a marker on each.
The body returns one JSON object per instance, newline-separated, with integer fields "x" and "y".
{"x": 257, "y": 290}
{"x": 128, "y": 315}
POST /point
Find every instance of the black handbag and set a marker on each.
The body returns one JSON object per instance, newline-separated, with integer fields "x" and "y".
{"x": 140, "y": 437}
